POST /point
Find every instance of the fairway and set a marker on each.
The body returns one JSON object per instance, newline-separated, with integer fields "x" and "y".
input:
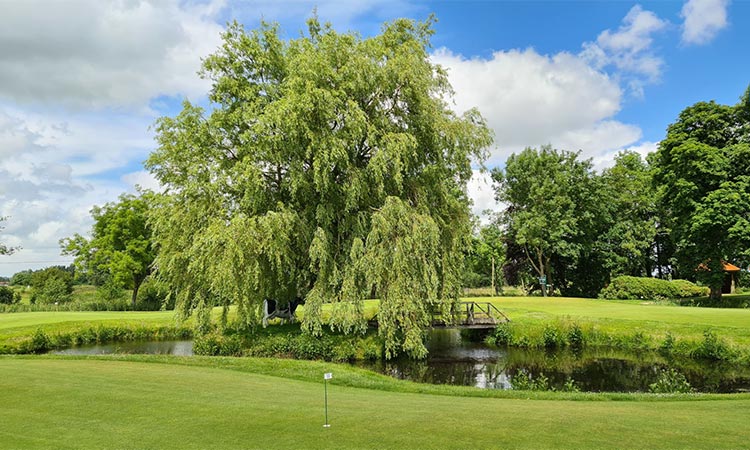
{"x": 32, "y": 319}
{"x": 626, "y": 310}
{"x": 105, "y": 404}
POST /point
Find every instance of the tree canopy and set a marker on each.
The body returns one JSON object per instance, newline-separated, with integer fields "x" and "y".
{"x": 702, "y": 169}
{"x": 549, "y": 194}
{"x": 120, "y": 243}
{"x": 329, "y": 167}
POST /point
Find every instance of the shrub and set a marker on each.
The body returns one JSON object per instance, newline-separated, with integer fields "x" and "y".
{"x": 712, "y": 347}
{"x": 40, "y": 342}
{"x": 670, "y": 382}
{"x": 214, "y": 344}
{"x": 153, "y": 295}
{"x": 552, "y": 337}
{"x": 8, "y": 296}
{"x": 52, "y": 285}
{"x": 644, "y": 288}
{"x": 576, "y": 338}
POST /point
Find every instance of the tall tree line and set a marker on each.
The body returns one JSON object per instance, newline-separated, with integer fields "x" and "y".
{"x": 680, "y": 213}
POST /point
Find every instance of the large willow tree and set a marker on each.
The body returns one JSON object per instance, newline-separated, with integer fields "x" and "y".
{"x": 328, "y": 167}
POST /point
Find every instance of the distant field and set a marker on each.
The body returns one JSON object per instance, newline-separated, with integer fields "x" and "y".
{"x": 53, "y": 403}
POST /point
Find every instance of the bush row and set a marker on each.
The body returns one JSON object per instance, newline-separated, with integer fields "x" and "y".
{"x": 42, "y": 341}
{"x": 644, "y": 288}
{"x": 297, "y": 345}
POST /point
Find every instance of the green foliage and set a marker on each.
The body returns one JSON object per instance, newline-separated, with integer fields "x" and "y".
{"x": 670, "y": 382}
{"x": 154, "y": 295}
{"x": 40, "y": 342}
{"x": 328, "y": 347}
{"x": 576, "y": 337}
{"x": 486, "y": 249}
{"x": 120, "y": 246}
{"x": 701, "y": 169}
{"x": 523, "y": 381}
{"x": 632, "y": 215}
{"x": 552, "y": 206}
{"x": 51, "y": 285}
{"x": 213, "y": 344}
{"x": 643, "y": 288}
{"x": 9, "y": 296}
{"x": 314, "y": 154}
{"x": 22, "y": 278}
{"x": 712, "y": 347}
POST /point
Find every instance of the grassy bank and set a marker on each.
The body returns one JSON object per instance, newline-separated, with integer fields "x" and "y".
{"x": 627, "y": 317}
{"x": 198, "y": 403}
{"x": 39, "y": 331}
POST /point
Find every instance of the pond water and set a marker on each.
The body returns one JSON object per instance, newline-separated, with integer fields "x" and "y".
{"x": 179, "y": 348}
{"x": 458, "y": 361}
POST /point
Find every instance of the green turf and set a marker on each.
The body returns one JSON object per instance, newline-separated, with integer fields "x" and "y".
{"x": 629, "y": 316}
{"x": 95, "y": 403}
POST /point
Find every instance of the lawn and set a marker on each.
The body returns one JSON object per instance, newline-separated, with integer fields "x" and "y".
{"x": 630, "y": 316}
{"x": 117, "y": 403}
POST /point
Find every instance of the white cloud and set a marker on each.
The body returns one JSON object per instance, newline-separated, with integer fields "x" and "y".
{"x": 628, "y": 49}
{"x": 703, "y": 20}
{"x": 51, "y": 176}
{"x": 94, "y": 54}
{"x": 142, "y": 179}
{"x": 530, "y": 99}
{"x": 607, "y": 160}
{"x": 482, "y": 194}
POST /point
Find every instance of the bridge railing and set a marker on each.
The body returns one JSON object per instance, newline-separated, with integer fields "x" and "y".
{"x": 472, "y": 313}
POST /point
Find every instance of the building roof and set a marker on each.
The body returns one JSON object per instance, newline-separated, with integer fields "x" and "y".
{"x": 729, "y": 267}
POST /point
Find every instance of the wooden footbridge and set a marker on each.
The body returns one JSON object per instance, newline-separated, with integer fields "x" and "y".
{"x": 469, "y": 315}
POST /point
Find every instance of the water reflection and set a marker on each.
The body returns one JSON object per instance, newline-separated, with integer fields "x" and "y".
{"x": 179, "y": 348}
{"x": 453, "y": 360}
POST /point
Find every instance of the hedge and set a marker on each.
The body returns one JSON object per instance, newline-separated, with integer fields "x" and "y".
{"x": 643, "y": 288}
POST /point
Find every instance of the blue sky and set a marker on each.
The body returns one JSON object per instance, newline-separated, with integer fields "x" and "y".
{"x": 81, "y": 82}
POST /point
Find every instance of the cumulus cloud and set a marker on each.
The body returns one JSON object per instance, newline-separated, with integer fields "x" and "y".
{"x": 530, "y": 99}
{"x": 703, "y": 20}
{"x": 93, "y": 54}
{"x": 51, "y": 175}
{"x": 629, "y": 50}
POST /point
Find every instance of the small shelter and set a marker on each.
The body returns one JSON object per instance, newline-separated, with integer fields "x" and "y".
{"x": 730, "y": 280}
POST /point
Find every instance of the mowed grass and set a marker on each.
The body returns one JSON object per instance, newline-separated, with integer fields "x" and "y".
{"x": 121, "y": 403}
{"x": 21, "y": 324}
{"x": 630, "y": 316}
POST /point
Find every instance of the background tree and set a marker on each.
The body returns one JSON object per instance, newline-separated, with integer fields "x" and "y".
{"x": 325, "y": 162}
{"x": 629, "y": 237}
{"x": 702, "y": 169}
{"x": 22, "y": 278}
{"x": 120, "y": 243}
{"x": 486, "y": 252}
{"x": 51, "y": 285}
{"x": 5, "y": 250}
{"x": 550, "y": 196}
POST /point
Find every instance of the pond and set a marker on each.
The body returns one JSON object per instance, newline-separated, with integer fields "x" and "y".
{"x": 458, "y": 361}
{"x": 179, "y": 348}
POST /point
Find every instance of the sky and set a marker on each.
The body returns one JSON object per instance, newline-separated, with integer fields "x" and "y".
{"x": 82, "y": 82}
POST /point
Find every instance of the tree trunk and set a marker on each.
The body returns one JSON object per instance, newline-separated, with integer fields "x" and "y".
{"x": 715, "y": 293}
{"x": 136, "y": 285}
